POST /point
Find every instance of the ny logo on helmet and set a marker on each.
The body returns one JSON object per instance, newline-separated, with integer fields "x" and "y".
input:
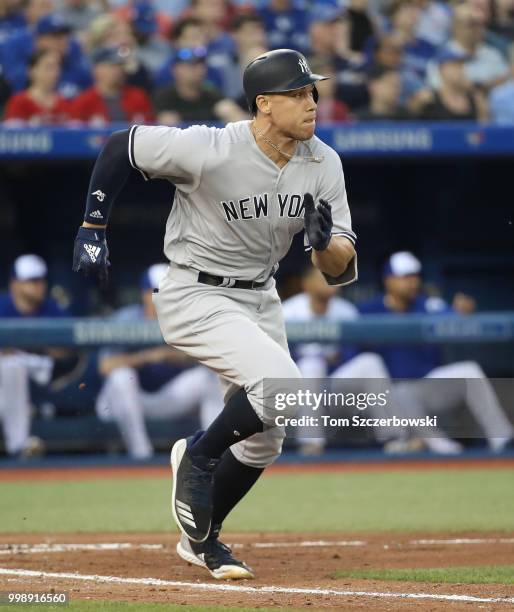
{"x": 304, "y": 65}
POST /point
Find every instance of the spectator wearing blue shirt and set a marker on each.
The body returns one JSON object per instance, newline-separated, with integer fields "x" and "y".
{"x": 286, "y": 24}
{"x": 27, "y": 298}
{"x": 152, "y": 50}
{"x": 416, "y": 54}
{"x": 11, "y": 19}
{"x": 403, "y": 297}
{"x": 21, "y": 20}
{"x": 501, "y": 98}
{"x": 404, "y": 16}
{"x": 51, "y": 32}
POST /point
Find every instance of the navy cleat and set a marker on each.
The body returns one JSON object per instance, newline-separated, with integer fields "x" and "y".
{"x": 215, "y": 557}
{"x": 191, "y": 496}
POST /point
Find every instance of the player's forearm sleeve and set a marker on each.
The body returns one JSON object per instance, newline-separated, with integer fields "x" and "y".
{"x": 110, "y": 173}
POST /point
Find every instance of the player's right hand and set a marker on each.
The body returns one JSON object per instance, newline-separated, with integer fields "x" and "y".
{"x": 318, "y": 222}
{"x": 91, "y": 254}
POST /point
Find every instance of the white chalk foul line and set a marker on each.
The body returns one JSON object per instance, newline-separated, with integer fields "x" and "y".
{"x": 12, "y": 549}
{"x": 458, "y": 541}
{"x": 343, "y": 543}
{"x": 307, "y": 544}
{"x": 203, "y": 586}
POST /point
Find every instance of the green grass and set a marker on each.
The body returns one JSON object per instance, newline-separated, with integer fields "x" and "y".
{"x": 122, "y": 606}
{"x": 429, "y": 501}
{"x": 487, "y": 574}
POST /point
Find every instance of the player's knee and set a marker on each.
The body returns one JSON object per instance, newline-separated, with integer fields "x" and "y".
{"x": 264, "y": 390}
{"x": 285, "y": 368}
{"x": 260, "y": 450}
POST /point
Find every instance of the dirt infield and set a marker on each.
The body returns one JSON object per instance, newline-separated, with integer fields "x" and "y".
{"x": 292, "y": 570}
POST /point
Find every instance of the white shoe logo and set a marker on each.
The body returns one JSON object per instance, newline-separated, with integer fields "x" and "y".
{"x": 100, "y": 195}
{"x": 92, "y": 251}
{"x": 184, "y": 513}
{"x": 304, "y": 65}
{"x": 96, "y": 214}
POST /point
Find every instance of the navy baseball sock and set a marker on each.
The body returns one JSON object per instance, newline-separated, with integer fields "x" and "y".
{"x": 236, "y": 422}
{"x": 232, "y": 481}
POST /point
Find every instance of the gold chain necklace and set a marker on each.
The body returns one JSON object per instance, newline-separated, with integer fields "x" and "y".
{"x": 272, "y": 144}
{"x": 311, "y": 158}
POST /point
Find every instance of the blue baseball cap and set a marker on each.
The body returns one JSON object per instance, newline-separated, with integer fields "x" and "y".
{"x": 144, "y": 17}
{"x": 451, "y": 55}
{"x": 402, "y": 263}
{"x": 108, "y": 55}
{"x": 29, "y": 267}
{"x": 151, "y": 278}
{"x": 53, "y": 23}
{"x": 191, "y": 55}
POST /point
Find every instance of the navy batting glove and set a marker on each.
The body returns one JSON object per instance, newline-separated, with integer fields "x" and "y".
{"x": 318, "y": 222}
{"x": 91, "y": 254}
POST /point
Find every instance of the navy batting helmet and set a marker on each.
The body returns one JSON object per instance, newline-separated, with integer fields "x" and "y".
{"x": 275, "y": 72}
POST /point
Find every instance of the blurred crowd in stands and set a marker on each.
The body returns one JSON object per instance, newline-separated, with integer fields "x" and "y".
{"x": 91, "y": 62}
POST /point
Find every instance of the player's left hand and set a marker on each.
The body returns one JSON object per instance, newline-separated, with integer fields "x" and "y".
{"x": 318, "y": 222}
{"x": 91, "y": 254}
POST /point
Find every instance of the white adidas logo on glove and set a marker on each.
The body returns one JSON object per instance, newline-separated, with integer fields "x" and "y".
{"x": 92, "y": 251}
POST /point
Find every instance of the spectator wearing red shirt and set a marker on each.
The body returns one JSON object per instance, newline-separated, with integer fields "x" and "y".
{"x": 40, "y": 103}
{"x": 111, "y": 99}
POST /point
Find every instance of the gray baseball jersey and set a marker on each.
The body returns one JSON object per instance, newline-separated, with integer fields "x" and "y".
{"x": 235, "y": 212}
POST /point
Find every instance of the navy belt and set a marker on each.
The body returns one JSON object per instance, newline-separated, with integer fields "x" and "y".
{"x": 222, "y": 281}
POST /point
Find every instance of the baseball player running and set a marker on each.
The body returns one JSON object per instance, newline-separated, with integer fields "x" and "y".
{"x": 242, "y": 193}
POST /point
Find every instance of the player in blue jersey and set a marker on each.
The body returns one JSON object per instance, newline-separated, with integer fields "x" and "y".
{"x": 403, "y": 296}
{"x": 27, "y": 298}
